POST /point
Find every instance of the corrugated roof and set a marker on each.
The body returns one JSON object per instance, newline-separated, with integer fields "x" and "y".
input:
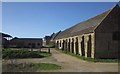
{"x": 83, "y": 27}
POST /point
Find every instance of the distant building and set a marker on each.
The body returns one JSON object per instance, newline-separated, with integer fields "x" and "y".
{"x": 46, "y": 40}
{"x": 26, "y": 42}
{"x": 4, "y": 40}
{"x": 96, "y": 37}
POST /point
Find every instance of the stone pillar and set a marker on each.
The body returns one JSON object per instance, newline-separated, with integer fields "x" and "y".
{"x": 70, "y": 44}
{"x": 74, "y": 45}
{"x": 56, "y": 44}
{"x": 86, "y": 45}
{"x": 93, "y": 45}
{"x": 61, "y": 44}
{"x": 79, "y": 45}
{"x": 66, "y": 44}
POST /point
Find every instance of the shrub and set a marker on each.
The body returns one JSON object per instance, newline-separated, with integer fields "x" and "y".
{"x": 10, "y": 54}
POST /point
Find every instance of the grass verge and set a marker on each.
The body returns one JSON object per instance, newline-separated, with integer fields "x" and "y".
{"x": 47, "y": 66}
{"x": 89, "y": 59}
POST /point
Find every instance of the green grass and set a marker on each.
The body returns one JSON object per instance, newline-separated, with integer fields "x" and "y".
{"x": 47, "y": 66}
{"x": 14, "y": 54}
{"x": 30, "y": 67}
{"x": 88, "y": 58}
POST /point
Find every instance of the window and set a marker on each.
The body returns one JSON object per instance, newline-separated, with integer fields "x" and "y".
{"x": 38, "y": 44}
{"x": 29, "y": 44}
{"x": 116, "y": 36}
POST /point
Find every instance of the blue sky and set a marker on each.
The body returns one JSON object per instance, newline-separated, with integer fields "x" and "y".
{"x": 37, "y": 19}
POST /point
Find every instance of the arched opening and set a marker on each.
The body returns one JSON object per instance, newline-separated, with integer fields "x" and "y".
{"x": 57, "y": 44}
{"x": 66, "y": 47}
{"x": 89, "y": 45}
{"x": 60, "y": 43}
{"x": 82, "y": 46}
{"x": 76, "y": 45}
{"x": 72, "y": 45}
{"x": 69, "y": 45}
{"x": 63, "y": 45}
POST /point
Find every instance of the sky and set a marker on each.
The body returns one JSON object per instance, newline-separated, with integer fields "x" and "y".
{"x": 37, "y": 19}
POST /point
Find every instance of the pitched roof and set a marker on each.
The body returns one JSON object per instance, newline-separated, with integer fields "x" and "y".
{"x": 84, "y": 27}
{"x": 54, "y": 35}
{"x": 5, "y": 35}
{"x": 26, "y": 39}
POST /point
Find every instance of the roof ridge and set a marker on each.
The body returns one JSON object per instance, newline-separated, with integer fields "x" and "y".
{"x": 90, "y": 24}
{"x": 107, "y": 15}
{"x": 86, "y": 20}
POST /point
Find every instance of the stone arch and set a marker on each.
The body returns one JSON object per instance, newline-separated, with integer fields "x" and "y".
{"x": 60, "y": 43}
{"x": 76, "y": 46}
{"x": 57, "y": 44}
{"x": 66, "y": 45}
{"x": 89, "y": 47}
{"x": 72, "y": 45}
{"x": 69, "y": 45}
{"x": 63, "y": 45}
{"x": 83, "y": 46}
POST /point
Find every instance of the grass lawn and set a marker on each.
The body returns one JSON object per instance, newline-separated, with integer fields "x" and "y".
{"x": 14, "y": 54}
{"x": 90, "y": 59}
{"x": 47, "y": 66}
{"x": 30, "y": 67}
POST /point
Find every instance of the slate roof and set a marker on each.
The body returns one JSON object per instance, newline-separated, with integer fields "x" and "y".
{"x": 84, "y": 27}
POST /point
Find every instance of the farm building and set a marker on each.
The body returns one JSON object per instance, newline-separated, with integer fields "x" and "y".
{"x": 96, "y": 37}
{"x": 4, "y": 40}
{"x": 26, "y": 42}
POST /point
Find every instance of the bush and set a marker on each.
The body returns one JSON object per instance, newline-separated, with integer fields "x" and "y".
{"x": 10, "y": 54}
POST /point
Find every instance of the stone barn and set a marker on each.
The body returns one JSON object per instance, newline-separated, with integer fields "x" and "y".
{"x": 26, "y": 42}
{"x": 96, "y": 37}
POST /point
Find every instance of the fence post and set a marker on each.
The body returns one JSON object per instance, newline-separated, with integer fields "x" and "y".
{"x": 48, "y": 50}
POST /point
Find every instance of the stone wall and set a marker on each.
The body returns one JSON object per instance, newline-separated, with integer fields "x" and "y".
{"x": 82, "y": 45}
{"x": 106, "y": 41}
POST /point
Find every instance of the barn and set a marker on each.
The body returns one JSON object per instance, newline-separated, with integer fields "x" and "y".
{"x": 96, "y": 37}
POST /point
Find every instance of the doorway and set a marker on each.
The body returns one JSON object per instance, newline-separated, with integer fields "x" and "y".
{"x": 82, "y": 46}
{"x": 89, "y": 45}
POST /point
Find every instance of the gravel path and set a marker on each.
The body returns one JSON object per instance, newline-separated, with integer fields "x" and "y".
{"x": 72, "y": 64}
